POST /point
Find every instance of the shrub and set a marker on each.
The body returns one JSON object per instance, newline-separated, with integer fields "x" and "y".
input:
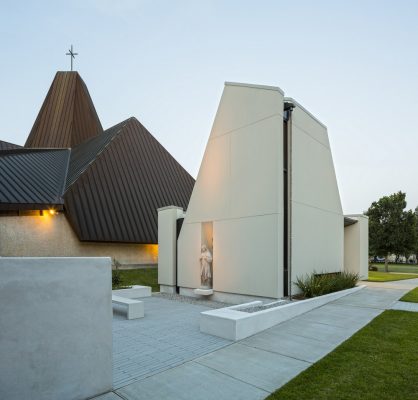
{"x": 116, "y": 275}
{"x": 116, "y": 278}
{"x": 319, "y": 284}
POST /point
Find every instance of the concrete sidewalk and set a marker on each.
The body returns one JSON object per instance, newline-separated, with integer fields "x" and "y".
{"x": 257, "y": 366}
{"x": 405, "y": 306}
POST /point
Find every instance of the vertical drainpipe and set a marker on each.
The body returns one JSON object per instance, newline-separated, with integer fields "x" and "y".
{"x": 288, "y": 107}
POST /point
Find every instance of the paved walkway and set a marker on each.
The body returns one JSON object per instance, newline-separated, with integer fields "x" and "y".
{"x": 256, "y": 366}
{"x": 405, "y": 306}
{"x": 169, "y": 335}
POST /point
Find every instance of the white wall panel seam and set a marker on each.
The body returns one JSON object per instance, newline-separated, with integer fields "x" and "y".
{"x": 318, "y": 208}
{"x": 245, "y": 126}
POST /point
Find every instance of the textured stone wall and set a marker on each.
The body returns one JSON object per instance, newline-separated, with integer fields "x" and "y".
{"x": 52, "y": 236}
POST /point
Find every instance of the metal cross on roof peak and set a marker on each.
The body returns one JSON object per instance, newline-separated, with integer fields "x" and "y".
{"x": 72, "y": 55}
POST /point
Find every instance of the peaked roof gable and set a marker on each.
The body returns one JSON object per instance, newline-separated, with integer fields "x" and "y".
{"x": 116, "y": 196}
{"x": 67, "y": 116}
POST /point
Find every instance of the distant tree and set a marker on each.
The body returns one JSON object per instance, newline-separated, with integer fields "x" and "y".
{"x": 392, "y": 229}
{"x": 416, "y": 234}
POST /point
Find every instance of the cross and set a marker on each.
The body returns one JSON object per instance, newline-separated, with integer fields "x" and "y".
{"x": 72, "y": 54}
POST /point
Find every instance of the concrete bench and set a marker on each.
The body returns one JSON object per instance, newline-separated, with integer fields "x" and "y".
{"x": 135, "y": 307}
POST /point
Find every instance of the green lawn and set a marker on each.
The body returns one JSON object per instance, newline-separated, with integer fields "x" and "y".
{"x": 411, "y": 296}
{"x": 375, "y": 276}
{"x": 378, "y": 362}
{"x": 408, "y": 268}
{"x": 140, "y": 276}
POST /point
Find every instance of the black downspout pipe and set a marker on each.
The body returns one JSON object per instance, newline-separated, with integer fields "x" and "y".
{"x": 287, "y": 150}
{"x": 178, "y": 226}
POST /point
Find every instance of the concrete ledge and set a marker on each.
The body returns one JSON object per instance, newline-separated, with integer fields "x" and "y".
{"x": 167, "y": 289}
{"x": 203, "y": 292}
{"x": 232, "y": 324}
{"x": 222, "y": 297}
{"x": 134, "y": 292}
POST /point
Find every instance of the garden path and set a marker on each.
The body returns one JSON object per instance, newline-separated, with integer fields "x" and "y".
{"x": 211, "y": 368}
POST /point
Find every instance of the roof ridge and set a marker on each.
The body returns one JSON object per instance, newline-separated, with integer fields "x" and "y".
{"x": 64, "y": 181}
{"x": 68, "y": 184}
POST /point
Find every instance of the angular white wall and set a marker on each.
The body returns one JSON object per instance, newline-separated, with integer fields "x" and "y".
{"x": 240, "y": 189}
{"x": 317, "y": 218}
{"x": 356, "y": 246}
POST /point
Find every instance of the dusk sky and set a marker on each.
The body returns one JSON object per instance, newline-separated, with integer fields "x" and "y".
{"x": 353, "y": 64}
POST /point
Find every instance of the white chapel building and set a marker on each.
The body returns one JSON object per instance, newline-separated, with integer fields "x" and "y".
{"x": 265, "y": 203}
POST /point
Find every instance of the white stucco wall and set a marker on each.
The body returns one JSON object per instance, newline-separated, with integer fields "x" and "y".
{"x": 167, "y": 244}
{"x": 56, "y": 328}
{"x": 52, "y": 236}
{"x": 317, "y": 217}
{"x": 356, "y": 246}
{"x": 240, "y": 189}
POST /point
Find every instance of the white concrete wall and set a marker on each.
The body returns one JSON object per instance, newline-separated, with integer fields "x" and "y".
{"x": 52, "y": 236}
{"x": 317, "y": 218}
{"x": 56, "y": 328}
{"x": 356, "y": 246}
{"x": 240, "y": 189}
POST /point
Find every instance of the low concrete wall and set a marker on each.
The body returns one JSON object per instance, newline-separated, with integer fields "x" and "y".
{"x": 230, "y": 323}
{"x": 52, "y": 236}
{"x": 56, "y": 328}
{"x": 135, "y": 292}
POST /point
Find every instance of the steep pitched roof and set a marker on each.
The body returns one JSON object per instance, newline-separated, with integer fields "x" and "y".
{"x": 85, "y": 153}
{"x": 109, "y": 183}
{"x": 117, "y": 181}
{"x": 8, "y": 146}
{"x": 67, "y": 116}
{"x": 32, "y": 178}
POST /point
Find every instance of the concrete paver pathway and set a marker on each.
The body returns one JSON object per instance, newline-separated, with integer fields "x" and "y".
{"x": 168, "y": 336}
{"x": 256, "y": 366}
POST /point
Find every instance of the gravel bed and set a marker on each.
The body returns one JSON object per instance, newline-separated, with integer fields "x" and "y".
{"x": 263, "y": 307}
{"x": 192, "y": 300}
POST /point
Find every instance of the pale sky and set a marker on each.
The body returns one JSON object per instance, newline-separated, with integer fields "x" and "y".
{"x": 353, "y": 64}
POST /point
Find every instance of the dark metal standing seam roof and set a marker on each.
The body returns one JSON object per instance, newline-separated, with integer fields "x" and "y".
{"x": 32, "y": 179}
{"x": 349, "y": 221}
{"x": 112, "y": 183}
{"x": 67, "y": 116}
{"x": 8, "y": 146}
{"x": 84, "y": 154}
{"x": 121, "y": 182}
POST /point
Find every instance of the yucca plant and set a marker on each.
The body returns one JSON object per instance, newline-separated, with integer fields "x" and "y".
{"x": 314, "y": 284}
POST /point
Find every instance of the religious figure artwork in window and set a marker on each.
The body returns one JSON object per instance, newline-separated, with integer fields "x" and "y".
{"x": 205, "y": 267}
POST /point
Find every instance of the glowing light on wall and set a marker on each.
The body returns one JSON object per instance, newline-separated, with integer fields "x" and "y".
{"x": 152, "y": 250}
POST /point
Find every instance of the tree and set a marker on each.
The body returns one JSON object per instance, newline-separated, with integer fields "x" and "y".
{"x": 392, "y": 229}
